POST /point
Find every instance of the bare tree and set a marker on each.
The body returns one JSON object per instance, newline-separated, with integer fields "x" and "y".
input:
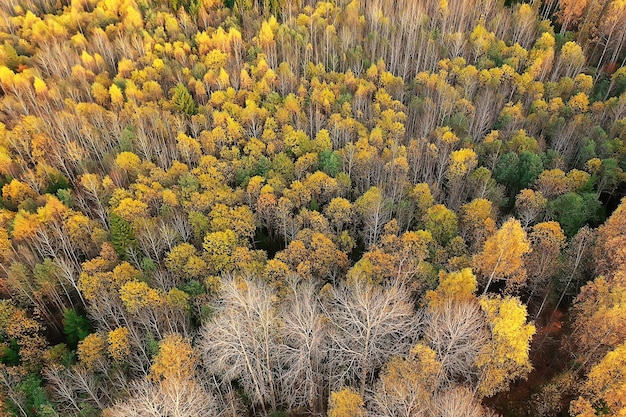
{"x": 457, "y": 332}
{"x": 169, "y": 398}
{"x": 74, "y": 388}
{"x": 305, "y": 335}
{"x": 455, "y": 402}
{"x": 241, "y": 341}
{"x": 369, "y": 325}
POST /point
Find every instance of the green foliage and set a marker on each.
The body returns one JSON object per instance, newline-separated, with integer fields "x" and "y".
{"x": 65, "y": 196}
{"x": 330, "y": 162}
{"x": 183, "y": 101}
{"x": 148, "y": 266}
{"x": 32, "y": 399}
{"x": 152, "y": 345}
{"x": 200, "y": 225}
{"x": 518, "y": 171}
{"x": 190, "y": 6}
{"x": 10, "y": 354}
{"x": 262, "y": 166}
{"x": 127, "y": 139}
{"x": 573, "y": 211}
{"x": 122, "y": 235}
{"x": 56, "y": 182}
{"x": 11, "y": 59}
{"x": 75, "y": 327}
{"x": 194, "y": 288}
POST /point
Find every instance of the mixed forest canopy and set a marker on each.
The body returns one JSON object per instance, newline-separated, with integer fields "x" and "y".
{"x": 298, "y": 208}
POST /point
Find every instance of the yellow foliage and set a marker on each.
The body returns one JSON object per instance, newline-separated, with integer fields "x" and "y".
{"x": 178, "y": 299}
{"x": 5, "y": 245}
{"x": 579, "y": 103}
{"x": 606, "y": 385}
{"x": 422, "y": 197}
{"x": 506, "y": 356}
{"x": 577, "y": 179}
{"x": 117, "y": 98}
{"x": 461, "y": 163}
{"x": 40, "y": 86}
{"x": 169, "y": 198}
{"x": 17, "y": 191}
{"x": 25, "y": 225}
{"x": 346, "y": 403}
{"x": 407, "y": 385}
{"x": 130, "y": 209}
{"x": 91, "y": 350}
{"x": 26, "y": 331}
{"x": 502, "y": 255}
{"x": 124, "y": 273}
{"x": 128, "y": 161}
{"x": 176, "y": 359}
{"x": 119, "y": 344}
{"x": 475, "y": 213}
{"x": 455, "y": 286}
{"x": 137, "y": 295}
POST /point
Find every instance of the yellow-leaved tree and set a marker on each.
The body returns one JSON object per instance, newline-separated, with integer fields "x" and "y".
{"x": 502, "y": 256}
{"x": 505, "y": 357}
{"x": 346, "y": 403}
{"x": 605, "y": 388}
{"x": 176, "y": 359}
{"x": 407, "y": 385}
{"x": 119, "y": 344}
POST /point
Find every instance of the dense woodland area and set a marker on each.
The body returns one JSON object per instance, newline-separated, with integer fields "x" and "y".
{"x": 298, "y": 208}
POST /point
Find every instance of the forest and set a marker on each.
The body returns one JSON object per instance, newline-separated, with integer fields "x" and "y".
{"x": 294, "y": 208}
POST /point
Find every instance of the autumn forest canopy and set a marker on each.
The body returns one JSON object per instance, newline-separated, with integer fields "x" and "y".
{"x": 250, "y": 208}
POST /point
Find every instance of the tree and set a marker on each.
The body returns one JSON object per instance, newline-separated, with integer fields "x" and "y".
{"x": 176, "y": 398}
{"x": 369, "y": 325}
{"x": 375, "y": 211}
{"x": 219, "y": 247}
{"x": 240, "y": 342}
{"x": 305, "y": 336}
{"x": 455, "y": 327}
{"x": 27, "y": 334}
{"x": 478, "y": 220}
{"x": 604, "y": 388}
{"x": 505, "y": 357}
{"x": 407, "y": 385}
{"x": 570, "y": 12}
{"x": 91, "y": 351}
{"x": 441, "y": 222}
{"x": 176, "y": 359}
{"x": 457, "y": 332}
{"x": 183, "y": 101}
{"x": 518, "y": 171}
{"x": 530, "y": 205}
{"x": 573, "y": 211}
{"x": 184, "y": 263}
{"x": 122, "y": 235}
{"x": 75, "y": 326}
{"x": 346, "y": 403}
{"x": 339, "y": 212}
{"x": 599, "y": 319}
{"x": 611, "y": 237}
{"x": 462, "y": 163}
{"x": 542, "y": 263}
{"x": 502, "y": 256}
{"x": 454, "y": 287}
{"x": 458, "y": 401}
{"x": 119, "y": 344}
